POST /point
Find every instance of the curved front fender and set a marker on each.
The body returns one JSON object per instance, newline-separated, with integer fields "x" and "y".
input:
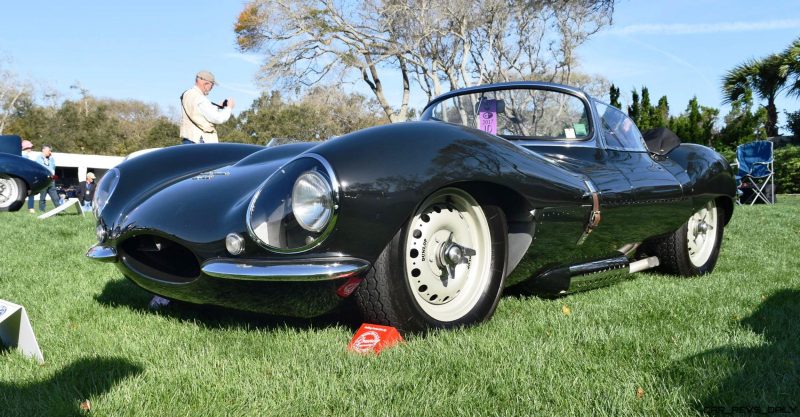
{"x": 34, "y": 174}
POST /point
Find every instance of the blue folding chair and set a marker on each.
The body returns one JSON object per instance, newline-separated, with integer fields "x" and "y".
{"x": 756, "y": 170}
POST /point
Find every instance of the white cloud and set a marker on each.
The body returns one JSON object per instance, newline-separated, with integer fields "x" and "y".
{"x": 673, "y": 57}
{"x": 701, "y": 28}
{"x": 249, "y": 58}
{"x": 241, "y": 88}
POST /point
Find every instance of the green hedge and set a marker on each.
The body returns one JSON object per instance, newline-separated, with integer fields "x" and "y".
{"x": 787, "y": 169}
{"x": 729, "y": 154}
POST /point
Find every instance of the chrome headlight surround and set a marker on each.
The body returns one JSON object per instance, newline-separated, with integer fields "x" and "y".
{"x": 105, "y": 188}
{"x": 271, "y": 219}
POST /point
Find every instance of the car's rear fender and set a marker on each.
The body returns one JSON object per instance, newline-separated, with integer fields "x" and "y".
{"x": 705, "y": 175}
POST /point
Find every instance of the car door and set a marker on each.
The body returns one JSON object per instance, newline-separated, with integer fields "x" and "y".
{"x": 658, "y": 204}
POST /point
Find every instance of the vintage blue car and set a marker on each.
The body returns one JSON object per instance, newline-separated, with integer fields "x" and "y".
{"x": 421, "y": 224}
{"x": 19, "y": 176}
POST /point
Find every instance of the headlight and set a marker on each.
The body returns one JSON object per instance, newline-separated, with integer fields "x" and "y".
{"x": 295, "y": 208}
{"x": 312, "y": 201}
{"x": 104, "y": 190}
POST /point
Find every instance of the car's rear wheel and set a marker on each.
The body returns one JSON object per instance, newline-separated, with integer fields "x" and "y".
{"x": 12, "y": 193}
{"x": 443, "y": 269}
{"x": 693, "y": 249}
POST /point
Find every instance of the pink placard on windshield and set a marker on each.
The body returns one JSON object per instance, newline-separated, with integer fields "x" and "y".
{"x": 487, "y": 113}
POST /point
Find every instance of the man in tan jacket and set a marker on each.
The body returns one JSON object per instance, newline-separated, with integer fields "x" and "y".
{"x": 200, "y": 114}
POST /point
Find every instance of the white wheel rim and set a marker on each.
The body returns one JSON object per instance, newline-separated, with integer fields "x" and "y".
{"x": 702, "y": 234}
{"x": 8, "y": 191}
{"x": 449, "y": 223}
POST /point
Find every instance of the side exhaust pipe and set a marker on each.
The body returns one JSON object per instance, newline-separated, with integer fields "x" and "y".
{"x": 644, "y": 264}
{"x": 593, "y": 274}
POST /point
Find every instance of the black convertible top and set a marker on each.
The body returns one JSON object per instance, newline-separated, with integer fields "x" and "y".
{"x": 661, "y": 140}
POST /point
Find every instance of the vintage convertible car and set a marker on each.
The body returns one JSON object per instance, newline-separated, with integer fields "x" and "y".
{"x": 421, "y": 224}
{"x": 18, "y": 176}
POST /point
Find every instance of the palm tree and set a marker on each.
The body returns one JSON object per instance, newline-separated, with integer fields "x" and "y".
{"x": 792, "y": 56}
{"x": 767, "y": 77}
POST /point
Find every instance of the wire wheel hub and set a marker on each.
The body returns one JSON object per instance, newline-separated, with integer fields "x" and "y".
{"x": 702, "y": 234}
{"x": 8, "y": 190}
{"x": 448, "y": 254}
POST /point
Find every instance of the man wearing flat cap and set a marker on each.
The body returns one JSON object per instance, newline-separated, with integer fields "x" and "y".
{"x": 200, "y": 115}
{"x": 85, "y": 192}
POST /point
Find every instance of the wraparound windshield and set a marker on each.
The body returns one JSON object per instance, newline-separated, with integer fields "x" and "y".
{"x": 518, "y": 114}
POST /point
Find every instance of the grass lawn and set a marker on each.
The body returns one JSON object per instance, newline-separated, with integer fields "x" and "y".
{"x": 653, "y": 345}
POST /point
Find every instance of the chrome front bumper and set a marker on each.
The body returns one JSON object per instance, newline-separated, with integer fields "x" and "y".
{"x": 311, "y": 270}
{"x": 102, "y": 253}
{"x": 304, "y": 271}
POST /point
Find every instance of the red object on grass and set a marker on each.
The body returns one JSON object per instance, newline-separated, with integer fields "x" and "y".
{"x": 374, "y": 338}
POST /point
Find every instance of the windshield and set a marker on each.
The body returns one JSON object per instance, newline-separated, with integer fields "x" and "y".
{"x": 518, "y": 114}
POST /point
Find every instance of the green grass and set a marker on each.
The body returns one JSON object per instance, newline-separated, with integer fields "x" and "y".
{"x": 728, "y": 340}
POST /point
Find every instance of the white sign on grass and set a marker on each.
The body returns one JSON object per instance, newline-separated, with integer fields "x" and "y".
{"x": 67, "y": 204}
{"x": 16, "y": 330}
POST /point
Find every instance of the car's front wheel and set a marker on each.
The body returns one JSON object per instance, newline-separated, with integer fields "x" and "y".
{"x": 693, "y": 249}
{"x": 12, "y": 193}
{"x": 443, "y": 269}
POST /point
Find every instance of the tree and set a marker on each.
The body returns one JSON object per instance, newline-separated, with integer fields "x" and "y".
{"x": 661, "y": 113}
{"x": 322, "y": 113}
{"x": 694, "y": 129}
{"x": 767, "y": 77}
{"x": 696, "y": 124}
{"x": 793, "y": 123}
{"x": 742, "y": 125}
{"x": 634, "y": 110}
{"x": 12, "y": 91}
{"x": 792, "y": 57}
{"x": 164, "y": 132}
{"x": 94, "y": 126}
{"x": 613, "y": 96}
{"x": 434, "y": 43}
{"x": 644, "y": 114}
{"x": 645, "y": 121}
{"x": 27, "y": 120}
{"x": 708, "y": 120}
{"x": 687, "y": 125}
{"x": 594, "y": 85}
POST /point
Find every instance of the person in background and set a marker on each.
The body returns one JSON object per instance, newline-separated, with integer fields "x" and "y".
{"x": 48, "y": 161}
{"x": 200, "y": 115}
{"x": 86, "y": 192}
{"x": 27, "y": 153}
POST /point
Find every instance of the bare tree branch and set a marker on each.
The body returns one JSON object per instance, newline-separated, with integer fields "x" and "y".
{"x": 435, "y": 43}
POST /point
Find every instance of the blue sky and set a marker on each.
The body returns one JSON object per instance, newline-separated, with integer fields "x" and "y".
{"x": 149, "y": 50}
{"x": 683, "y": 48}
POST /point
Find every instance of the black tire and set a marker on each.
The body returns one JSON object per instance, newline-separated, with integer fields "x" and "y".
{"x": 13, "y": 192}
{"x": 675, "y": 252}
{"x": 386, "y": 295}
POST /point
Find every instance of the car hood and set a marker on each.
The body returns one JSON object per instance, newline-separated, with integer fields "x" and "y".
{"x": 201, "y": 209}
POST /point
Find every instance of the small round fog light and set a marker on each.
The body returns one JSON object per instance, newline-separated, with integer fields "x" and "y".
{"x": 101, "y": 233}
{"x": 234, "y": 244}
